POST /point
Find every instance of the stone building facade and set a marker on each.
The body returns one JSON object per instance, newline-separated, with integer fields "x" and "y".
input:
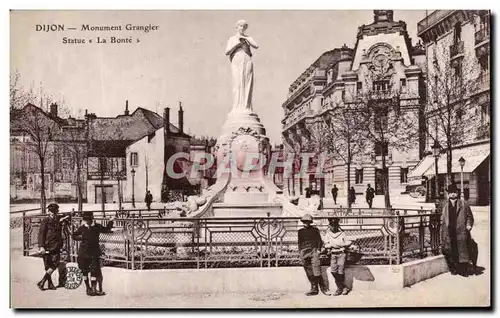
{"x": 383, "y": 60}
{"x": 457, "y": 46}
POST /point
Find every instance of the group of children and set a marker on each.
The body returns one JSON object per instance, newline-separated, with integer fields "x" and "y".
{"x": 310, "y": 246}
{"x": 50, "y": 242}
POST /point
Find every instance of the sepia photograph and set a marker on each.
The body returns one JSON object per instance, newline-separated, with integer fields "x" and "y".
{"x": 223, "y": 159}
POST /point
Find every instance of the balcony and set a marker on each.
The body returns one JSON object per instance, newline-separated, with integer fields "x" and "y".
{"x": 482, "y": 42}
{"x": 483, "y": 132}
{"x": 432, "y": 19}
{"x": 457, "y": 50}
{"x": 483, "y": 83}
{"x": 482, "y": 35}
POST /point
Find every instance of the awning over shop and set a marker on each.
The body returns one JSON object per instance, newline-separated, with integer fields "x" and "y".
{"x": 421, "y": 168}
{"x": 473, "y": 156}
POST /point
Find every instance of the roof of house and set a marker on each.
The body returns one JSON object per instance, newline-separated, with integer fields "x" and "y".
{"x": 139, "y": 124}
{"x": 17, "y": 116}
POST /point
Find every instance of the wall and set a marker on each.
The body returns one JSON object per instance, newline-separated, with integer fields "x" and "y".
{"x": 150, "y": 154}
{"x": 471, "y": 71}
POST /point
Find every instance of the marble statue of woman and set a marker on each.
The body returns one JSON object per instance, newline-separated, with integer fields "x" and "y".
{"x": 240, "y": 54}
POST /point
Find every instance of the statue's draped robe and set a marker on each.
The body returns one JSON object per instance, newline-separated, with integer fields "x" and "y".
{"x": 242, "y": 71}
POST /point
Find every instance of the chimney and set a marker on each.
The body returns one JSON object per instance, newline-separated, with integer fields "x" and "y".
{"x": 53, "y": 109}
{"x": 181, "y": 118}
{"x": 126, "y": 108}
{"x": 166, "y": 120}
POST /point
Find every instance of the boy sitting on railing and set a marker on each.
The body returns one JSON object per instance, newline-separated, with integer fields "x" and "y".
{"x": 335, "y": 241}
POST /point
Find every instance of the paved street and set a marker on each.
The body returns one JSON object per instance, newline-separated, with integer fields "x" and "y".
{"x": 443, "y": 290}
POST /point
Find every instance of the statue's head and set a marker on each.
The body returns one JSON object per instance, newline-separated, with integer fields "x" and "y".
{"x": 241, "y": 26}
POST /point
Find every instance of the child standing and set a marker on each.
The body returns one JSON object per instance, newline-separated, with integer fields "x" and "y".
{"x": 89, "y": 251}
{"x": 336, "y": 242}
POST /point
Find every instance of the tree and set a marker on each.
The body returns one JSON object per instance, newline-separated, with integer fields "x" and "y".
{"x": 147, "y": 167}
{"x": 74, "y": 142}
{"x": 39, "y": 129}
{"x": 339, "y": 135}
{"x": 451, "y": 81}
{"x": 390, "y": 124}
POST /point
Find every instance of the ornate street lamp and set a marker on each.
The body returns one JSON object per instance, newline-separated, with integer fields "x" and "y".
{"x": 133, "y": 194}
{"x": 461, "y": 161}
{"x": 436, "y": 149}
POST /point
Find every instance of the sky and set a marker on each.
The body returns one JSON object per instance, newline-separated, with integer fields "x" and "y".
{"x": 182, "y": 61}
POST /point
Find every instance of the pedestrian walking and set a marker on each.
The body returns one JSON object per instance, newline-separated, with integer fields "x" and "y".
{"x": 50, "y": 242}
{"x": 336, "y": 244}
{"x": 456, "y": 223}
{"x": 89, "y": 252}
{"x": 335, "y": 191}
{"x": 370, "y": 194}
{"x": 148, "y": 199}
{"x": 351, "y": 195}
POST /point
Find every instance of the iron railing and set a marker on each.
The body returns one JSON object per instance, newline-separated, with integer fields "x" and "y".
{"x": 149, "y": 242}
{"x": 432, "y": 19}
{"x": 482, "y": 35}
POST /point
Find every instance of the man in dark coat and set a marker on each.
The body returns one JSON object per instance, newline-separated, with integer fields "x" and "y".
{"x": 456, "y": 222}
{"x": 148, "y": 199}
{"x": 50, "y": 242}
{"x": 351, "y": 195}
{"x": 370, "y": 194}
{"x": 335, "y": 191}
{"x": 310, "y": 244}
{"x": 89, "y": 251}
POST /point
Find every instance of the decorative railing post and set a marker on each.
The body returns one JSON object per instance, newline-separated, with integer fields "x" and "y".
{"x": 434, "y": 229}
{"x": 133, "y": 244}
{"x": 268, "y": 240}
{"x": 421, "y": 233}
{"x": 400, "y": 237}
{"x": 25, "y": 236}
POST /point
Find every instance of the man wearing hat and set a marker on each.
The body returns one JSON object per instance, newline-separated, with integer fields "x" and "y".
{"x": 456, "y": 223}
{"x": 50, "y": 242}
{"x": 89, "y": 252}
{"x": 310, "y": 244}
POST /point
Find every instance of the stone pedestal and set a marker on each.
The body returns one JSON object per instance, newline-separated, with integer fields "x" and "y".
{"x": 243, "y": 148}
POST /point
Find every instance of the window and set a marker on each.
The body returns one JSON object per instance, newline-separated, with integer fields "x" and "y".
{"x": 359, "y": 87}
{"x": 483, "y": 62}
{"x": 359, "y": 176}
{"x": 485, "y": 113}
{"x": 458, "y": 32}
{"x": 380, "y": 118}
{"x": 103, "y": 165}
{"x": 134, "y": 159}
{"x": 343, "y": 95}
{"x": 380, "y": 86}
{"x": 381, "y": 148}
{"x": 123, "y": 164}
{"x": 404, "y": 175}
{"x": 458, "y": 69}
{"x": 403, "y": 82}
